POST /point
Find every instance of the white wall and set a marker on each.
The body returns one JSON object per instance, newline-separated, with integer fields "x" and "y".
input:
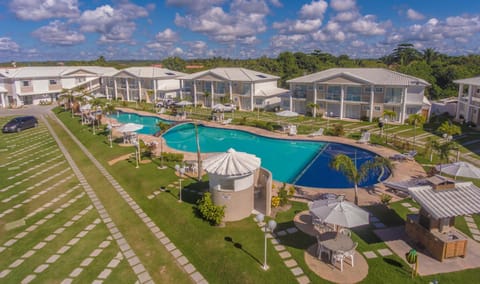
{"x": 265, "y": 85}
{"x": 415, "y": 94}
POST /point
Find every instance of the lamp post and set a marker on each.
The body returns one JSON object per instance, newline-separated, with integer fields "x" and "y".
{"x": 137, "y": 152}
{"x": 180, "y": 171}
{"x": 271, "y": 225}
{"x": 109, "y": 129}
{"x": 385, "y": 125}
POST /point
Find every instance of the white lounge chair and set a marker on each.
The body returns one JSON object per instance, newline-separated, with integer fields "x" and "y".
{"x": 365, "y": 138}
{"x": 319, "y": 132}
{"x": 292, "y": 131}
{"x": 227, "y": 121}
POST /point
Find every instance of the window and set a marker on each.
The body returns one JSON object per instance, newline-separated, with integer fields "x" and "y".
{"x": 378, "y": 90}
{"x": 220, "y": 88}
{"x": 259, "y": 102}
{"x": 320, "y": 88}
{"x": 53, "y": 82}
{"x": 26, "y": 83}
{"x": 393, "y": 95}
{"x": 300, "y": 91}
{"x": 377, "y": 108}
{"x": 334, "y": 93}
{"x": 353, "y": 94}
{"x": 246, "y": 89}
{"x": 367, "y": 89}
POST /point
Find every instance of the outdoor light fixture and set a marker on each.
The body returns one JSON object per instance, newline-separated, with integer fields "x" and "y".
{"x": 270, "y": 226}
{"x": 180, "y": 171}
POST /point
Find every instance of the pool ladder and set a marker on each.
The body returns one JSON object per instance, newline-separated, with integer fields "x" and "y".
{"x": 310, "y": 164}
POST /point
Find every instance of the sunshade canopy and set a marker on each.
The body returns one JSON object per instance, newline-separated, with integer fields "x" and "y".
{"x": 130, "y": 127}
{"x": 231, "y": 163}
{"x": 183, "y": 103}
{"x": 339, "y": 212}
{"x": 462, "y": 169}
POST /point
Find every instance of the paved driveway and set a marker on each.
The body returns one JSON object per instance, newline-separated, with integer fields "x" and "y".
{"x": 36, "y": 110}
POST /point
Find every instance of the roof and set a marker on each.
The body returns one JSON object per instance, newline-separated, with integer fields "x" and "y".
{"x": 463, "y": 200}
{"x": 151, "y": 72}
{"x": 373, "y": 76}
{"x": 232, "y": 163}
{"x": 233, "y": 74}
{"x": 52, "y": 71}
{"x": 270, "y": 92}
{"x": 469, "y": 81}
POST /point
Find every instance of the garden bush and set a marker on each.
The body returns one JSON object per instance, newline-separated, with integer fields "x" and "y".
{"x": 210, "y": 212}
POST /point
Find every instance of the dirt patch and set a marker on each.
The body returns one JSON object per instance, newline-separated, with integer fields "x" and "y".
{"x": 118, "y": 159}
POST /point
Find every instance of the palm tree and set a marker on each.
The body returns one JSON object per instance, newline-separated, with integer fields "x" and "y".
{"x": 163, "y": 127}
{"x": 96, "y": 103}
{"x": 314, "y": 108}
{"x": 430, "y": 146}
{"x": 450, "y": 129}
{"x": 67, "y": 94}
{"x": 348, "y": 167}
{"x": 415, "y": 119}
{"x": 199, "y": 157}
{"x": 390, "y": 114}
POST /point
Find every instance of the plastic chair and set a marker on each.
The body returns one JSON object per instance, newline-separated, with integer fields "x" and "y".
{"x": 338, "y": 256}
{"x": 345, "y": 231}
{"x": 351, "y": 253}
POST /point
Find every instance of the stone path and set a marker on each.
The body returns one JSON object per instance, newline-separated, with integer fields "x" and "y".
{"x": 137, "y": 267}
{"x": 284, "y": 254}
{"x": 181, "y": 260}
{"x": 472, "y": 226}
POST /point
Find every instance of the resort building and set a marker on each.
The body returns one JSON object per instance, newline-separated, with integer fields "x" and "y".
{"x": 468, "y": 100}
{"x": 446, "y": 105}
{"x": 246, "y": 89}
{"x": 358, "y": 93}
{"x": 36, "y": 85}
{"x": 143, "y": 83}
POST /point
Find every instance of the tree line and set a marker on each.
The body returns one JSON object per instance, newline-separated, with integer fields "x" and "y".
{"x": 439, "y": 69}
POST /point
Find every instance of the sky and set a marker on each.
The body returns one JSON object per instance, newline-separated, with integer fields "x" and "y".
{"x": 60, "y": 30}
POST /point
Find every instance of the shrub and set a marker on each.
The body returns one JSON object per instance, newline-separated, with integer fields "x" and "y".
{"x": 385, "y": 199}
{"x": 275, "y": 201}
{"x": 210, "y": 212}
{"x": 283, "y": 196}
{"x": 338, "y": 130}
{"x": 172, "y": 157}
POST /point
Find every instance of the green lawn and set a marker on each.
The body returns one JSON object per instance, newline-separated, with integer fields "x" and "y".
{"x": 239, "y": 244}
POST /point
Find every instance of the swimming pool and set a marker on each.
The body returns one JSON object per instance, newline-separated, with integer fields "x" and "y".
{"x": 300, "y": 162}
{"x": 149, "y": 122}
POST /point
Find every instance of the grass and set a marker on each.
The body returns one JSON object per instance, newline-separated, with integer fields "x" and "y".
{"x": 28, "y": 147}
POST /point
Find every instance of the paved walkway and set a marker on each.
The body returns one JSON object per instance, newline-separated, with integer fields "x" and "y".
{"x": 396, "y": 239}
{"x": 181, "y": 260}
{"x": 137, "y": 267}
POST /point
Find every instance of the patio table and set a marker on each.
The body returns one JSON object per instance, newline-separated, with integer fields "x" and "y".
{"x": 334, "y": 242}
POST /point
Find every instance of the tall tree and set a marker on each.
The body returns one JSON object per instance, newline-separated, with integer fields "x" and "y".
{"x": 347, "y": 166}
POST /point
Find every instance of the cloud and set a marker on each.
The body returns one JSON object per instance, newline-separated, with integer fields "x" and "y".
{"x": 115, "y": 24}
{"x": 342, "y": 5}
{"x": 7, "y": 44}
{"x": 196, "y": 5}
{"x": 167, "y": 36}
{"x": 298, "y": 26}
{"x": 366, "y": 25}
{"x": 58, "y": 33}
{"x": 276, "y": 3}
{"x": 244, "y": 19}
{"x": 314, "y": 10}
{"x": 44, "y": 9}
{"x": 414, "y": 15}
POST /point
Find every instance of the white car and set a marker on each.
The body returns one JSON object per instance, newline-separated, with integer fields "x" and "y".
{"x": 224, "y": 108}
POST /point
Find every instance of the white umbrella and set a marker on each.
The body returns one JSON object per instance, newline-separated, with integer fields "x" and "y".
{"x": 129, "y": 127}
{"x": 287, "y": 113}
{"x": 339, "y": 212}
{"x": 462, "y": 169}
{"x": 86, "y": 107}
{"x": 218, "y": 107}
{"x": 99, "y": 95}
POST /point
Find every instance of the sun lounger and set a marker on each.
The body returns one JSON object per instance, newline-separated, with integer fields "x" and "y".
{"x": 292, "y": 131}
{"x": 319, "y": 132}
{"x": 227, "y": 121}
{"x": 365, "y": 138}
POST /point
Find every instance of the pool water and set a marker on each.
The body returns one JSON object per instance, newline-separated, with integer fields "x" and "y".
{"x": 149, "y": 122}
{"x": 304, "y": 163}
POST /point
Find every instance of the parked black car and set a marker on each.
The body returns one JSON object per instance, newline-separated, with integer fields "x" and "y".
{"x": 20, "y": 123}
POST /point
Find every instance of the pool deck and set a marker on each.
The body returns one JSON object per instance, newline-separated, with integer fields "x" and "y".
{"x": 402, "y": 169}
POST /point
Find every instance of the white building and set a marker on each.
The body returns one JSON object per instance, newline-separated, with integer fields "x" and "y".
{"x": 468, "y": 100}
{"x": 247, "y": 89}
{"x": 358, "y": 93}
{"x": 143, "y": 83}
{"x": 34, "y": 85}
{"x": 446, "y": 105}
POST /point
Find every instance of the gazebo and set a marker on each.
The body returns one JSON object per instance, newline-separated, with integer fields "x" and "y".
{"x": 234, "y": 179}
{"x": 441, "y": 200}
